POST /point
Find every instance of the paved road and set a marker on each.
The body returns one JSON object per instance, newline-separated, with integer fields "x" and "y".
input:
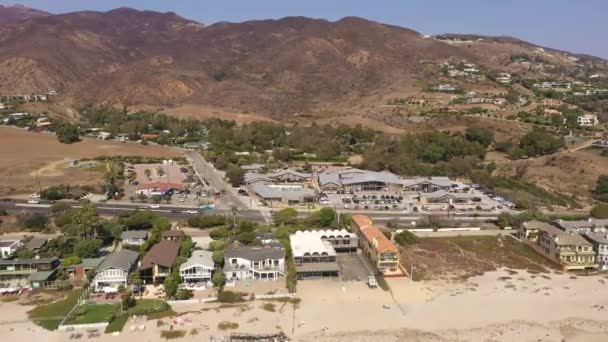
{"x": 116, "y": 209}
{"x": 206, "y": 171}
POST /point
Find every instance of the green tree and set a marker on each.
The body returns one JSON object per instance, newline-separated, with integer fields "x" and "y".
{"x": 601, "y": 188}
{"x": 172, "y": 284}
{"x": 235, "y": 175}
{"x": 85, "y": 220}
{"x": 25, "y": 254}
{"x": 480, "y": 135}
{"x": 540, "y": 142}
{"x": 72, "y": 260}
{"x": 286, "y": 216}
{"x": 326, "y": 216}
{"x": 219, "y": 278}
{"x": 600, "y": 211}
{"x": 406, "y": 238}
{"x": 87, "y": 248}
{"x": 67, "y": 133}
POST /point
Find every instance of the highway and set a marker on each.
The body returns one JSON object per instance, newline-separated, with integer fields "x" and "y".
{"x": 106, "y": 209}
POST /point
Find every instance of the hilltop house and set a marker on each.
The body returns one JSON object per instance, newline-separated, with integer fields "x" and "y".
{"x": 115, "y": 269}
{"x": 587, "y": 120}
{"x": 157, "y": 263}
{"x": 198, "y": 268}
{"x": 246, "y": 262}
{"x": 134, "y": 237}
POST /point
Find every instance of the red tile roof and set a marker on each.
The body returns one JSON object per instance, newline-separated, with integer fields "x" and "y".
{"x": 372, "y": 234}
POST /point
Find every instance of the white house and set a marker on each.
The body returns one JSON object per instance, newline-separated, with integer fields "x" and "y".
{"x": 197, "y": 268}
{"x": 587, "y": 120}
{"x": 134, "y": 237}
{"x": 115, "y": 269}
{"x": 8, "y": 247}
{"x": 245, "y": 262}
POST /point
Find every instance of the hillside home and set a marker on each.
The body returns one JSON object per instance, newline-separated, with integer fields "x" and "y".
{"x": 134, "y": 237}
{"x": 587, "y": 120}
{"x": 78, "y": 272}
{"x": 261, "y": 263}
{"x": 198, "y": 268}
{"x": 156, "y": 265}
{"x": 382, "y": 252}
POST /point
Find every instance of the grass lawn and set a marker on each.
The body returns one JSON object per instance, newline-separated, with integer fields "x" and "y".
{"x": 93, "y": 313}
{"x": 154, "y": 309}
{"x": 50, "y": 315}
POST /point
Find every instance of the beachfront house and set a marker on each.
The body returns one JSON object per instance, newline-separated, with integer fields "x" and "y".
{"x": 248, "y": 262}
{"x": 8, "y": 247}
{"x": 134, "y": 237}
{"x": 158, "y": 262}
{"x": 569, "y": 249}
{"x": 315, "y": 251}
{"x": 381, "y": 251}
{"x": 114, "y": 270}
{"x": 600, "y": 246}
{"x": 198, "y": 268}
{"x": 28, "y": 269}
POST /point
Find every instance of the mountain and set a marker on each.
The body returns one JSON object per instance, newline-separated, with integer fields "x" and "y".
{"x": 11, "y": 14}
{"x": 278, "y": 68}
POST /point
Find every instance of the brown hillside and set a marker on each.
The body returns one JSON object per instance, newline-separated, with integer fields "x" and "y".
{"x": 273, "y": 67}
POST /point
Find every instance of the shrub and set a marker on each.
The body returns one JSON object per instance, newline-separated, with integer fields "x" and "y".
{"x": 219, "y": 234}
{"x": 173, "y": 334}
{"x": 406, "y": 238}
{"x": 600, "y": 211}
{"x": 206, "y": 221}
{"x": 225, "y": 325}
{"x": 231, "y": 297}
{"x": 269, "y": 307}
{"x": 35, "y": 222}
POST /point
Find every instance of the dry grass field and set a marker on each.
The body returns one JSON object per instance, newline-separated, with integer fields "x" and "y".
{"x": 462, "y": 257}
{"x": 23, "y": 153}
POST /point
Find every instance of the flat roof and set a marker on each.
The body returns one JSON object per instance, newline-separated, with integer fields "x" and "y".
{"x": 318, "y": 267}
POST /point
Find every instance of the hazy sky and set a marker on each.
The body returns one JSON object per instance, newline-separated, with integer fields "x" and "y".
{"x": 575, "y": 25}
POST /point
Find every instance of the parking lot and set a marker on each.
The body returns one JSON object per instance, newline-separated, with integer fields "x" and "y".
{"x": 480, "y": 201}
{"x": 353, "y": 267}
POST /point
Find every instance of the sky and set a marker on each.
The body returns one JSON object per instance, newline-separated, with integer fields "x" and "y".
{"x": 579, "y": 26}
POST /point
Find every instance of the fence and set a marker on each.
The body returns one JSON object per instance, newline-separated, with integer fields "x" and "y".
{"x": 70, "y": 327}
{"x": 214, "y": 299}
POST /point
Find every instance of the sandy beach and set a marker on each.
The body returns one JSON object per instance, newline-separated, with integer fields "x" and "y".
{"x": 498, "y": 306}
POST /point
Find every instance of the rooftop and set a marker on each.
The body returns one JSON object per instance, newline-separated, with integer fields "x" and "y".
{"x": 255, "y": 253}
{"x": 134, "y": 234}
{"x": 35, "y": 243}
{"x": 8, "y": 243}
{"x": 305, "y": 243}
{"x": 174, "y": 233}
{"x": 123, "y": 259}
{"x": 372, "y": 234}
{"x": 163, "y": 254}
{"x": 199, "y": 258}
{"x": 292, "y": 192}
{"x": 29, "y": 261}
{"x": 560, "y": 237}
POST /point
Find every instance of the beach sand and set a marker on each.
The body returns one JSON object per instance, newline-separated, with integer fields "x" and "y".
{"x": 498, "y": 306}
